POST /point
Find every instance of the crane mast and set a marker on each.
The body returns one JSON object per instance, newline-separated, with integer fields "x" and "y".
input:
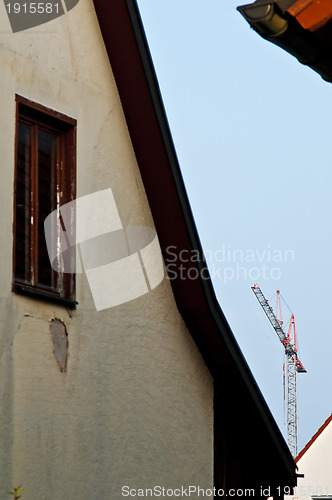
{"x": 293, "y": 364}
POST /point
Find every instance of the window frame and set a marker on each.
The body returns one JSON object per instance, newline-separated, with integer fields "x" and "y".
{"x": 39, "y": 117}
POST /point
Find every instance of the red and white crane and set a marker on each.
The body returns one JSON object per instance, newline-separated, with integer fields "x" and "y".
{"x": 293, "y": 364}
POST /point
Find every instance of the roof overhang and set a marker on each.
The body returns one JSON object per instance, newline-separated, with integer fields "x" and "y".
{"x": 303, "y": 28}
{"x": 247, "y": 425}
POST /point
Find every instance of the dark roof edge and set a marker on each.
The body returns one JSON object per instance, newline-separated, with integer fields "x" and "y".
{"x": 212, "y": 301}
{"x": 280, "y": 28}
{"x": 207, "y": 299}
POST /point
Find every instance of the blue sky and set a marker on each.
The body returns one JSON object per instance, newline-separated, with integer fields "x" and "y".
{"x": 252, "y": 131}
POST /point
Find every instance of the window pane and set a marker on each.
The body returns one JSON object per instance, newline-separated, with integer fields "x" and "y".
{"x": 45, "y": 176}
{"x": 23, "y": 201}
{"x": 47, "y": 188}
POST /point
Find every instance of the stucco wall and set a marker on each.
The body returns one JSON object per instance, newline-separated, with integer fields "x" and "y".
{"x": 135, "y": 406}
{"x": 316, "y": 465}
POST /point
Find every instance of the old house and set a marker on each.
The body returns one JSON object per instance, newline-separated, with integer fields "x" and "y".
{"x": 301, "y": 27}
{"x": 115, "y": 380}
{"x": 314, "y": 463}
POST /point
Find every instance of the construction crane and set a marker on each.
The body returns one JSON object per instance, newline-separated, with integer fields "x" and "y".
{"x": 293, "y": 364}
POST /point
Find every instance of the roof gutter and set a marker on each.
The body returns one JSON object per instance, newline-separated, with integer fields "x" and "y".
{"x": 272, "y": 21}
{"x": 212, "y": 302}
{"x": 169, "y": 202}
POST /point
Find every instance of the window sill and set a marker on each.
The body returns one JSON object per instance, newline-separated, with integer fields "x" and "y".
{"x": 44, "y": 295}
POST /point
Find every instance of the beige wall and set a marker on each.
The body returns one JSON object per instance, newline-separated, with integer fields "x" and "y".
{"x": 316, "y": 465}
{"x": 135, "y": 406}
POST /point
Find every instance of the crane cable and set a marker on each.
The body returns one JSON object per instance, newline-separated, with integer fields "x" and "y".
{"x": 298, "y": 345}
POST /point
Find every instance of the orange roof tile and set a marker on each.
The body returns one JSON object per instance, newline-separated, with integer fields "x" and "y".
{"x": 311, "y": 14}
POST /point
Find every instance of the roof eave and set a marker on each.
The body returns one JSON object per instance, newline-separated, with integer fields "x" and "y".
{"x": 313, "y": 439}
{"x": 125, "y": 40}
{"x": 273, "y": 22}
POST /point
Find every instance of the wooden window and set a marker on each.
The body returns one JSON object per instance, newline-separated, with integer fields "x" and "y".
{"x": 45, "y": 179}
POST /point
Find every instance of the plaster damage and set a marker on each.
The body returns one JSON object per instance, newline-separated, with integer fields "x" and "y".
{"x": 60, "y": 343}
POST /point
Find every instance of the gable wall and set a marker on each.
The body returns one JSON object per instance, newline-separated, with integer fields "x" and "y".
{"x": 135, "y": 406}
{"x": 316, "y": 465}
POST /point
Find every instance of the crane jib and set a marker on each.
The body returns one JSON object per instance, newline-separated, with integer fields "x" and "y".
{"x": 292, "y": 366}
